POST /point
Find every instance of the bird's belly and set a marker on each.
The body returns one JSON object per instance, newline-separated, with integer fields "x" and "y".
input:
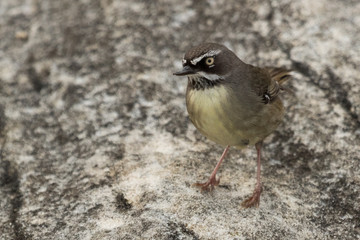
{"x": 208, "y": 112}
{"x": 215, "y": 115}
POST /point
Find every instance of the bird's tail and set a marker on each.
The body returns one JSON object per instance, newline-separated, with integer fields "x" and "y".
{"x": 280, "y": 75}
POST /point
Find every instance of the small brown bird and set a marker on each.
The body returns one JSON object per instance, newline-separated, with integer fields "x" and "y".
{"x": 232, "y": 103}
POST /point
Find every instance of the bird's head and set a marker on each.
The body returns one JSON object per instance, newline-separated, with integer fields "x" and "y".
{"x": 208, "y": 60}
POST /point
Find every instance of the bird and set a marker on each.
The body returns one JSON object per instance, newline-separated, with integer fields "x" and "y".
{"x": 232, "y": 103}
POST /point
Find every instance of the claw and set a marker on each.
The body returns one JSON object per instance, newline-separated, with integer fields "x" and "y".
{"x": 209, "y": 185}
{"x": 254, "y": 200}
{"x": 212, "y": 182}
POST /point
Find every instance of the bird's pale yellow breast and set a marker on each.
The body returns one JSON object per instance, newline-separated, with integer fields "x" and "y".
{"x": 207, "y": 111}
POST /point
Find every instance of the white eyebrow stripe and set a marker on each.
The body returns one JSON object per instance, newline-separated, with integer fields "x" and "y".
{"x": 208, "y": 54}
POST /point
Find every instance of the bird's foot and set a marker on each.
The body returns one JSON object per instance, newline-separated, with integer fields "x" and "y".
{"x": 254, "y": 200}
{"x": 209, "y": 185}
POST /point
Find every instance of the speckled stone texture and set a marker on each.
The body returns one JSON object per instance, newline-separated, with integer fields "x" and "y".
{"x": 95, "y": 142}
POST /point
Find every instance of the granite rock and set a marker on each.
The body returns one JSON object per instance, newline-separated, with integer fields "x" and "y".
{"x": 95, "y": 142}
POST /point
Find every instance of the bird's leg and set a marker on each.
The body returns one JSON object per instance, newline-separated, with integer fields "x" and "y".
{"x": 254, "y": 200}
{"x": 209, "y": 185}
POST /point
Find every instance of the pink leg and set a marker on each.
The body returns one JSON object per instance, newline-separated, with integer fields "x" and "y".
{"x": 209, "y": 185}
{"x": 254, "y": 200}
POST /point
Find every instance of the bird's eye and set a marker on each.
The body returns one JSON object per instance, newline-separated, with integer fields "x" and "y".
{"x": 209, "y": 61}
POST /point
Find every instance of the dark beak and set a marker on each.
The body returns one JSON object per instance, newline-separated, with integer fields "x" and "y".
{"x": 187, "y": 70}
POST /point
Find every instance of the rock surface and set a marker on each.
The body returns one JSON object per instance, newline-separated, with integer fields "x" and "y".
{"x": 95, "y": 142}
